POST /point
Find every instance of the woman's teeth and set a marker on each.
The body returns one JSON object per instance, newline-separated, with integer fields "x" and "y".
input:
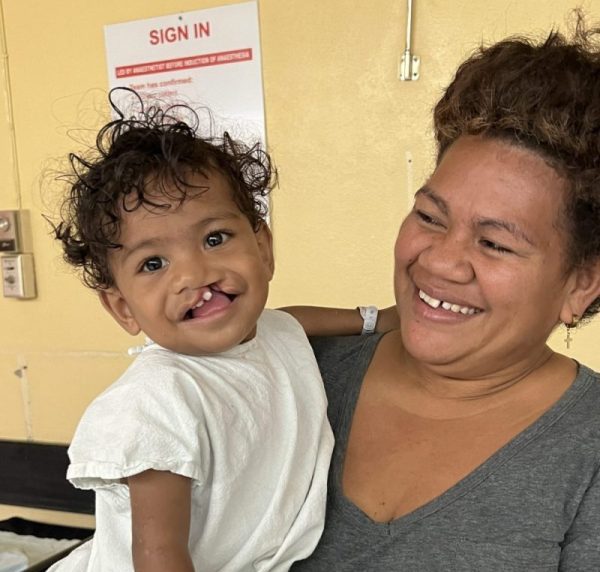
{"x": 435, "y": 303}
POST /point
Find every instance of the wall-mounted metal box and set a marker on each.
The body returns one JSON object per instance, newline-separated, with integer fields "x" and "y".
{"x": 15, "y": 235}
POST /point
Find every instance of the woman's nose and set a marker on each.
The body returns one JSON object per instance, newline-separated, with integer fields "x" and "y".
{"x": 448, "y": 257}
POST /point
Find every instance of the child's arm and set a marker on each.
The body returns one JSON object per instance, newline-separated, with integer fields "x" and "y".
{"x": 318, "y": 321}
{"x": 160, "y": 507}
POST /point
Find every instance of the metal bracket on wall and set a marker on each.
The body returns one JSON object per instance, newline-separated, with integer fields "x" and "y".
{"x": 409, "y": 64}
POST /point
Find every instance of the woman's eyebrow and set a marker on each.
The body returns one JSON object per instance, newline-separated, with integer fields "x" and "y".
{"x": 499, "y": 224}
{"x": 432, "y": 196}
{"x": 510, "y": 227}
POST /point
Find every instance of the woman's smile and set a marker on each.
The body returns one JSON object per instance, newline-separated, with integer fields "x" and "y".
{"x": 446, "y": 305}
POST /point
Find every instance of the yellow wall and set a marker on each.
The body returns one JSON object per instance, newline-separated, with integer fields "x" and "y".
{"x": 351, "y": 141}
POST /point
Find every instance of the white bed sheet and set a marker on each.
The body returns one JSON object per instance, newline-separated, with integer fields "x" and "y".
{"x": 19, "y": 551}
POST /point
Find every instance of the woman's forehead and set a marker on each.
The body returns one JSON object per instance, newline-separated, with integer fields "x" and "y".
{"x": 483, "y": 165}
{"x": 491, "y": 180}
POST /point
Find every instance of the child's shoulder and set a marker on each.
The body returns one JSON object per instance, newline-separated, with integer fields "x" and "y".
{"x": 279, "y": 320}
{"x": 157, "y": 380}
{"x": 154, "y": 370}
{"x": 154, "y": 359}
{"x": 282, "y": 336}
{"x": 278, "y": 328}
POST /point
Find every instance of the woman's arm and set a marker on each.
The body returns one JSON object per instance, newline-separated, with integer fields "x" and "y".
{"x": 318, "y": 321}
{"x": 160, "y": 508}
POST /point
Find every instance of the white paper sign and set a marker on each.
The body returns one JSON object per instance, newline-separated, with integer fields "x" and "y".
{"x": 205, "y": 58}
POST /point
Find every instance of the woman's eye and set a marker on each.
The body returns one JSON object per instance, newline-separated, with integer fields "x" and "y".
{"x": 153, "y": 264}
{"x": 216, "y": 239}
{"x": 495, "y": 247}
{"x": 427, "y": 219}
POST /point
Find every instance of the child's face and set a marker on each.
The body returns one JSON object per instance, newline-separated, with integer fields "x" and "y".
{"x": 193, "y": 278}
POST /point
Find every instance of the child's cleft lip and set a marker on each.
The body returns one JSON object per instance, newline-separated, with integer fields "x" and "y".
{"x": 211, "y": 300}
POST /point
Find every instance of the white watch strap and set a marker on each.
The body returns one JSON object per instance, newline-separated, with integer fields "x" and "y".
{"x": 369, "y": 316}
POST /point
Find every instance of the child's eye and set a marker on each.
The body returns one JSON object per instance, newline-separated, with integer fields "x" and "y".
{"x": 153, "y": 264}
{"x": 494, "y": 246}
{"x": 216, "y": 239}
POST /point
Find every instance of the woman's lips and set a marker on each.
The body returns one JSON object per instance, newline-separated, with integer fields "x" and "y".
{"x": 436, "y": 303}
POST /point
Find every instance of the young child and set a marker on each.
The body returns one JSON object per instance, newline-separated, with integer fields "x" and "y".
{"x": 211, "y": 451}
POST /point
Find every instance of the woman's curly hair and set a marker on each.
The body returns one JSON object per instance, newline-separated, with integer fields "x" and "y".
{"x": 544, "y": 96}
{"x": 136, "y": 160}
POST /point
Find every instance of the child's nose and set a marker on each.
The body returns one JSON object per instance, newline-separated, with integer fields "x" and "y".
{"x": 192, "y": 273}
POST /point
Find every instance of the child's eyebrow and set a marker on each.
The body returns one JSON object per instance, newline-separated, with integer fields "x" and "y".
{"x": 127, "y": 251}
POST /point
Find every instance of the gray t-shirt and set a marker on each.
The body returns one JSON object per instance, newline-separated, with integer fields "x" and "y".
{"x": 534, "y": 505}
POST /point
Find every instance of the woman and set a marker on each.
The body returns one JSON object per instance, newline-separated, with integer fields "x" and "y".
{"x": 462, "y": 441}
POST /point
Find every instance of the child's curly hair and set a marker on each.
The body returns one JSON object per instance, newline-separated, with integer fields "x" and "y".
{"x": 136, "y": 157}
{"x": 546, "y": 97}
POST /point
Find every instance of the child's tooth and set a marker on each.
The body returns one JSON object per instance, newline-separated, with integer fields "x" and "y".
{"x": 455, "y": 308}
{"x": 207, "y": 295}
{"x": 446, "y": 305}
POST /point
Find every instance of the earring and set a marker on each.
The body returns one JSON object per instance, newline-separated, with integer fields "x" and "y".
{"x": 574, "y": 321}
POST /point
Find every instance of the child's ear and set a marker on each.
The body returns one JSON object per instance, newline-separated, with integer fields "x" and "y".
{"x": 117, "y": 307}
{"x": 264, "y": 238}
{"x": 584, "y": 289}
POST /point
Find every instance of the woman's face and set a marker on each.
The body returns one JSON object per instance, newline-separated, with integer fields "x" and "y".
{"x": 480, "y": 274}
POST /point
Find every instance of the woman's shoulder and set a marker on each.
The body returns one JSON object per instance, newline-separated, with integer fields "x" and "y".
{"x": 343, "y": 362}
{"x": 579, "y": 409}
{"x": 342, "y": 353}
{"x": 583, "y": 371}
{"x": 587, "y": 383}
{"x": 586, "y": 388}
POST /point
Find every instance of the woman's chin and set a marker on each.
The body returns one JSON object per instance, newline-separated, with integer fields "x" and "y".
{"x": 433, "y": 348}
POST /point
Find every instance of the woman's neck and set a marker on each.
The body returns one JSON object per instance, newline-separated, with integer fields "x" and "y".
{"x": 456, "y": 389}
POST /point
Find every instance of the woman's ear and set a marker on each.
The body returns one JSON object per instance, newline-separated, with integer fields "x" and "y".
{"x": 264, "y": 239}
{"x": 117, "y": 307}
{"x": 584, "y": 288}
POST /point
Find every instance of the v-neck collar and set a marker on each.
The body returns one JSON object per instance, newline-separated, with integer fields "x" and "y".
{"x": 582, "y": 382}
